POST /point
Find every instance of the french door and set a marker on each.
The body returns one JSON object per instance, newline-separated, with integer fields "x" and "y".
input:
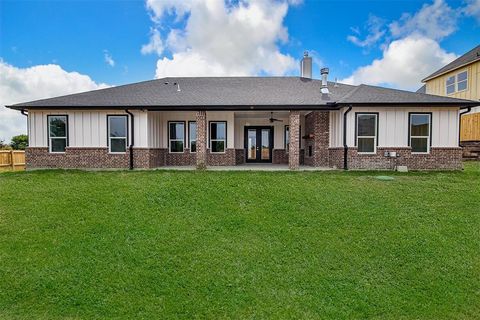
{"x": 258, "y": 144}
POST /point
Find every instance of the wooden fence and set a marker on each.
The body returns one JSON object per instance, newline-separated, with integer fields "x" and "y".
{"x": 470, "y": 127}
{"x": 12, "y": 160}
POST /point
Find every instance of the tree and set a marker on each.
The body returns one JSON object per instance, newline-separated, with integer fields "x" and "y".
{"x": 4, "y": 146}
{"x": 19, "y": 142}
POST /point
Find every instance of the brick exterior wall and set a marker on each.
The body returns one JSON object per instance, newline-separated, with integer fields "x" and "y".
{"x": 221, "y": 159}
{"x": 471, "y": 150}
{"x": 279, "y": 156}
{"x": 294, "y": 144}
{"x": 437, "y": 159}
{"x": 317, "y": 126}
{"x": 93, "y": 158}
{"x": 186, "y": 158}
{"x": 239, "y": 156}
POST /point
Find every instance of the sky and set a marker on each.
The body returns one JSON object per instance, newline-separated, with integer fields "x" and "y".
{"x": 52, "y": 48}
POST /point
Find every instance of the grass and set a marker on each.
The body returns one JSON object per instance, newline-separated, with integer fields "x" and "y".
{"x": 160, "y": 244}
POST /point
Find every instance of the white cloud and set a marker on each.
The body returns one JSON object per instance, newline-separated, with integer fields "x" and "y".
{"x": 155, "y": 45}
{"x": 403, "y": 64}
{"x": 434, "y": 21}
{"x": 473, "y": 9}
{"x": 38, "y": 82}
{"x": 108, "y": 58}
{"x": 223, "y": 39}
{"x": 375, "y": 30}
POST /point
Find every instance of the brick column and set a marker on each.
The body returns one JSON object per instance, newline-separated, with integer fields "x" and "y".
{"x": 294, "y": 146}
{"x": 201, "y": 140}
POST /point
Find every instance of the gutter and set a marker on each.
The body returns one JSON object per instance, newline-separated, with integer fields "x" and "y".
{"x": 345, "y": 146}
{"x": 132, "y": 123}
{"x": 460, "y": 122}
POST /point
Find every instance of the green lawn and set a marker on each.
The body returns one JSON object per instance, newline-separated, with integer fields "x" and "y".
{"x": 162, "y": 244}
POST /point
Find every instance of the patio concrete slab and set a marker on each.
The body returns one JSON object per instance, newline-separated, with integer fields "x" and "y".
{"x": 249, "y": 167}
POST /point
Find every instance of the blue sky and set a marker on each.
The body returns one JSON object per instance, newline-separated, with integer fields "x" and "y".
{"x": 61, "y": 47}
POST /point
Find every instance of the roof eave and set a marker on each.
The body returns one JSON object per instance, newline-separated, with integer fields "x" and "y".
{"x": 432, "y": 76}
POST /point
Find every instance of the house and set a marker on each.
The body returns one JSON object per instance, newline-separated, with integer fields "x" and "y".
{"x": 229, "y": 121}
{"x": 461, "y": 79}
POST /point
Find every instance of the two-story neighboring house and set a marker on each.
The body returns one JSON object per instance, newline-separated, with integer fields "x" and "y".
{"x": 461, "y": 79}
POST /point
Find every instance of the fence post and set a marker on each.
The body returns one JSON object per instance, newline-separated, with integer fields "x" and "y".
{"x": 13, "y": 161}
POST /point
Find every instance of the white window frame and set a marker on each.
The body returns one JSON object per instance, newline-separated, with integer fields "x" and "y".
{"x": 215, "y": 140}
{"x": 429, "y": 137}
{"x": 456, "y": 82}
{"x": 50, "y": 138}
{"x": 375, "y": 137}
{"x": 286, "y": 136}
{"x": 190, "y": 141}
{"x": 110, "y": 116}
{"x": 170, "y": 140}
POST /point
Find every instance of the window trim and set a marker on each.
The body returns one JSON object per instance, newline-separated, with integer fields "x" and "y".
{"x": 184, "y": 136}
{"x": 285, "y": 137}
{"x": 210, "y": 138}
{"x": 375, "y": 143}
{"x": 190, "y": 141}
{"x": 108, "y": 133}
{"x": 455, "y": 83}
{"x": 429, "y": 143}
{"x": 49, "y": 143}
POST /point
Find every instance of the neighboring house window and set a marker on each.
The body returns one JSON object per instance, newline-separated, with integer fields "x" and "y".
{"x": 117, "y": 133}
{"x": 57, "y": 133}
{"x": 176, "y": 136}
{"x": 218, "y": 136}
{"x": 287, "y": 138}
{"x": 458, "y": 82}
{"x": 192, "y": 136}
{"x": 366, "y": 132}
{"x": 420, "y": 132}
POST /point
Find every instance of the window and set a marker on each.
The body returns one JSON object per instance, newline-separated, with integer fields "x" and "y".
{"x": 420, "y": 132}
{"x": 287, "y": 138}
{"x": 192, "y": 136}
{"x": 458, "y": 82}
{"x": 450, "y": 84}
{"x": 57, "y": 133}
{"x": 117, "y": 133}
{"x": 462, "y": 81}
{"x": 366, "y": 132}
{"x": 176, "y": 136}
{"x": 218, "y": 136}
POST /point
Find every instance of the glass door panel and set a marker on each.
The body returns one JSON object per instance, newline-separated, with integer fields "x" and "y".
{"x": 265, "y": 143}
{"x": 252, "y": 144}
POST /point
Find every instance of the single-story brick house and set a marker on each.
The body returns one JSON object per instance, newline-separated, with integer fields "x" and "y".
{"x": 228, "y": 121}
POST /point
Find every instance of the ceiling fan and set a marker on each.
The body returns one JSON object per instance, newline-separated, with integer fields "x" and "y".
{"x": 272, "y": 119}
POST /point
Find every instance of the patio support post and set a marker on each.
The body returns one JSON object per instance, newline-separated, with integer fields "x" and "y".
{"x": 201, "y": 140}
{"x": 294, "y": 144}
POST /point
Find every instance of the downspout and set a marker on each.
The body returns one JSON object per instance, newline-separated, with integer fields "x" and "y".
{"x": 460, "y": 122}
{"x": 23, "y": 112}
{"x": 132, "y": 123}
{"x": 345, "y": 146}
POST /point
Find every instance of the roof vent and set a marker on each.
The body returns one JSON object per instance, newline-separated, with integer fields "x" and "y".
{"x": 324, "y": 73}
{"x": 306, "y": 66}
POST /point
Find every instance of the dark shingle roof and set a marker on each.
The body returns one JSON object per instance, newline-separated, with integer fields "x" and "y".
{"x": 233, "y": 92}
{"x": 469, "y": 57}
{"x": 422, "y": 89}
{"x": 365, "y": 94}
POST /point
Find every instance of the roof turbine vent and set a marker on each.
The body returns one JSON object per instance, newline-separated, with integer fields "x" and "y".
{"x": 324, "y": 73}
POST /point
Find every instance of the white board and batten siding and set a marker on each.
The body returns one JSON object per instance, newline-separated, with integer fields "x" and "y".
{"x": 393, "y": 126}
{"x": 86, "y": 128}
